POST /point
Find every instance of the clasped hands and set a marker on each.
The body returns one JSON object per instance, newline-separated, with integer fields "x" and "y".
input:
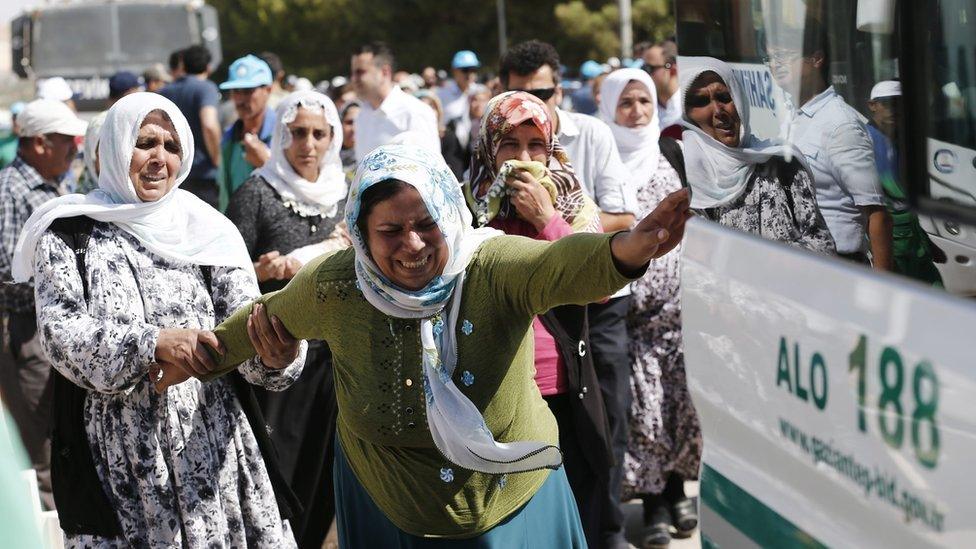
{"x": 182, "y": 353}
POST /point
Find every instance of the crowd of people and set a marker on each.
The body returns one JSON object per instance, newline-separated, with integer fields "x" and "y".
{"x": 409, "y": 311}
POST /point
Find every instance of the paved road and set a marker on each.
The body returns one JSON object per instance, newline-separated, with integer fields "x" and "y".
{"x": 635, "y": 522}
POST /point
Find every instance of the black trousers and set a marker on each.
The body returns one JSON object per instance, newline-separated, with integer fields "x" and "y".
{"x": 588, "y": 490}
{"x": 302, "y": 419}
{"x": 204, "y": 189}
{"x": 609, "y": 343}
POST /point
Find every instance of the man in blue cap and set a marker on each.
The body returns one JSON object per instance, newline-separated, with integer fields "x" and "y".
{"x": 122, "y": 84}
{"x": 454, "y": 94}
{"x": 583, "y": 98}
{"x": 246, "y": 143}
{"x": 197, "y": 98}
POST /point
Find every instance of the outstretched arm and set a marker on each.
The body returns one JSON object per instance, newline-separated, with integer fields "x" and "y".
{"x": 655, "y": 235}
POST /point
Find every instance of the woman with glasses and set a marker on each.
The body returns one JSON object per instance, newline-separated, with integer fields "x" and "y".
{"x": 736, "y": 179}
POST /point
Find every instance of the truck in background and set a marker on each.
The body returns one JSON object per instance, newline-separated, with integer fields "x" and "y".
{"x": 87, "y": 41}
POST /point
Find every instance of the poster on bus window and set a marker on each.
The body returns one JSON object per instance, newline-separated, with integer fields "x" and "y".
{"x": 836, "y": 403}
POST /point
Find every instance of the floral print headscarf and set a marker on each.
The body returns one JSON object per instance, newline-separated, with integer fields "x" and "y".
{"x": 503, "y": 114}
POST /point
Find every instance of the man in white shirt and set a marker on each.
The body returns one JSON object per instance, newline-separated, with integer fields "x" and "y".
{"x": 661, "y": 62}
{"x": 387, "y": 111}
{"x": 533, "y": 67}
{"x": 835, "y": 142}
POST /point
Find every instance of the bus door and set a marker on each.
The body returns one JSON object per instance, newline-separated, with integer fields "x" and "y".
{"x": 834, "y": 398}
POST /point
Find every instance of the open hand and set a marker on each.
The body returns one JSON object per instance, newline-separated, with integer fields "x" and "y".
{"x": 272, "y": 341}
{"x": 655, "y": 235}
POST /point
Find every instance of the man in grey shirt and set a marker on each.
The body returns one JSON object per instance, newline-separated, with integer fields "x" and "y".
{"x": 838, "y": 149}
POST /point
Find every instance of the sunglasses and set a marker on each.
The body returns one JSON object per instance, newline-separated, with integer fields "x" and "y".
{"x": 697, "y": 101}
{"x": 651, "y": 69}
{"x": 542, "y": 93}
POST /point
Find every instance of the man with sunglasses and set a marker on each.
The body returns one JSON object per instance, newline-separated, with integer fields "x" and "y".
{"x": 661, "y": 62}
{"x": 49, "y": 134}
{"x": 533, "y": 67}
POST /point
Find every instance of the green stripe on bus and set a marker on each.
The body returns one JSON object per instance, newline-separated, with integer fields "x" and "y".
{"x": 750, "y": 516}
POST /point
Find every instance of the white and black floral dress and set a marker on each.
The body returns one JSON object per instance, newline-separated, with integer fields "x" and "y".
{"x": 181, "y": 469}
{"x": 665, "y": 436}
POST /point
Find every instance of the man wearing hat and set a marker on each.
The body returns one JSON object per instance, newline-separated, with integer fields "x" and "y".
{"x": 246, "y": 143}
{"x": 454, "y": 94}
{"x": 583, "y": 99}
{"x": 122, "y": 84}
{"x": 197, "y": 97}
{"x": 56, "y": 89}
{"x": 913, "y": 250}
{"x": 47, "y": 145}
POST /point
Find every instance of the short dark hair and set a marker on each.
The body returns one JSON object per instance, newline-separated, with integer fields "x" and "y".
{"x": 196, "y": 59}
{"x": 273, "y": 61}
{"x": 526, "y": 58}
{"x": 815, "y": 40}
{"x": 175, "y": 59}
{"x": 640, "y": 48}
{"x": 669, "y": 50}
{"x": 382, "y": 54}
{"x": 374, "y": 195}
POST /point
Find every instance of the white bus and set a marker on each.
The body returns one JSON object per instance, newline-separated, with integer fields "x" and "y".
{"x": 834, "y": 399}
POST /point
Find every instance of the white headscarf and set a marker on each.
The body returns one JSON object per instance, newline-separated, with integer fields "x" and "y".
{"x": 90, "y": 153}
{"x": 456, "y": 426}
{"x": 178, "y": 226}
{"x": 638, "y": 147}
{"x": 718, "y": 174}
{"x": 325, "y": 192}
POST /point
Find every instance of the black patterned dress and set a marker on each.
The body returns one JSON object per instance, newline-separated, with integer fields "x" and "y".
{"x": 665, "y": 436}
{"x": 779, "y": 203}
{"x": 181, "y": 469}
{"x": 301, "y": 419}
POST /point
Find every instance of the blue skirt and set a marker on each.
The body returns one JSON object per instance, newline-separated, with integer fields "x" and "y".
{"x": 550, "y": 520}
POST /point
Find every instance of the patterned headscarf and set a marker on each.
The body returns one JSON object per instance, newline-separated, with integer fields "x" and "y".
{"x": 503, "y": 114}
{"x": 456, "y": 425}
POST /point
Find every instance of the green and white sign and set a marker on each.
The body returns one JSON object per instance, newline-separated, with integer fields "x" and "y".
{"x": 836, "y": 403}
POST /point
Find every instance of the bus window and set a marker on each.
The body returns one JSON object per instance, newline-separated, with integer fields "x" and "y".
{"x": 816, "y": 102}
{"x": 951, "y": 47}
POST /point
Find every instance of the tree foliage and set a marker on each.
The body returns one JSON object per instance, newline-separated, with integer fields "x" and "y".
{"x": 315, "y": 37}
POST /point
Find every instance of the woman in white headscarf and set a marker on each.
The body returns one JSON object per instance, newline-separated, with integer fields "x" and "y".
{"x": 288, "y": 212}
{"x": 159, "y": 268}
{"x": 737, "y": 179}
{"x": 664, "y": 442}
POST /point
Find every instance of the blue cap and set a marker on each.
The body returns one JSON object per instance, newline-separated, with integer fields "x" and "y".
{"x": 17, "y": 108}
{"x": 247, "y": 72}
{"x": 121, "y": 82}
{"x": 633, "y": 63}
{"x": 591, "y": 69}
{"x": 465, "y": 59}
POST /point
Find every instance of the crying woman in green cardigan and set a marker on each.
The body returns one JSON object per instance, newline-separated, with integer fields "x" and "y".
{"x": 443, "y": 437}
